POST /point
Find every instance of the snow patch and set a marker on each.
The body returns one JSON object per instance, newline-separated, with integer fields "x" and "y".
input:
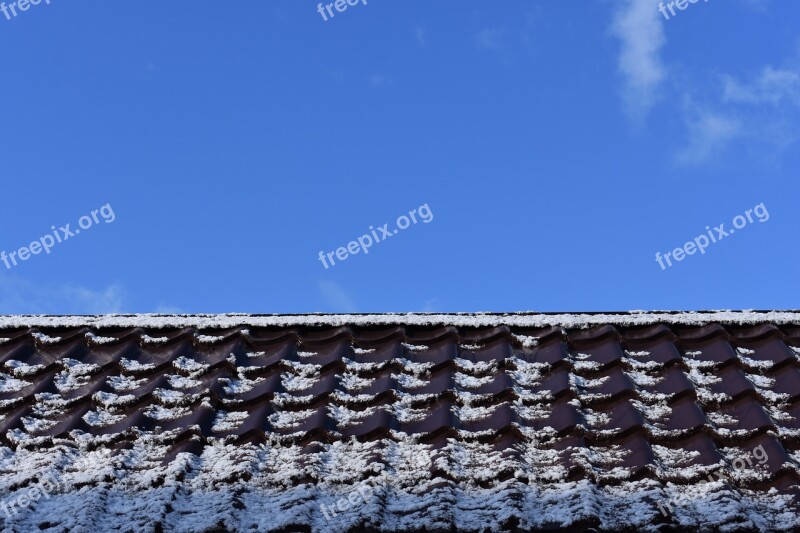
{"x": 21, "y": 369}
{"x": 44, "y": 339}
{"x": 95, "y": 339}
{"x": 147, "y": 339}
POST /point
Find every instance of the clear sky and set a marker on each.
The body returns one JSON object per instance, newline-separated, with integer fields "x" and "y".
{"x": 557, "y": 146}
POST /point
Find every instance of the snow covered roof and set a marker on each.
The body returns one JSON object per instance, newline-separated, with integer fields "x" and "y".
{"x": 403, "y": 422}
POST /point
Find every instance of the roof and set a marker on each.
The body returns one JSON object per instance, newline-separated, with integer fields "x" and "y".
{"x": 402, "y": 422}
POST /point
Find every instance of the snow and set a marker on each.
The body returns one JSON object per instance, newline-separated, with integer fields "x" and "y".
{"x": 171, "y": 398}
{"x": 67, "y": 381}
{"x": 192, "y": 367}
{"x": 21, "y": 369}
{"x": 353, "y": 382}
{"x": 527, "y": 374}
{"x": 133, "y": 489}
{"x": 346, "y": 417}
{"x": 302, "y": 369}
{"x": 294, "y": 383}
{"x": 409, "y": 381}
{"x": 102, "y": 418}
{"x": 290, "y": 401}
{"x": 228, "y": 421}
{"x": 470, "y": 382}
{"x": 476, "y": 367}
{"x": 239, "y": 386}
{"x": 643, "y": 379}
{"x": 288, "y": 420}
{"x": 208, "y": 339}
{"x": 414, "y": 347}
{"x": 527, "y": 341}
{"x": 160, "y": 412}
{"x": 10, "y": 384}
{"x": 521, "y": 319}
{"x": 100, "y": 340}
{"x": 756, "y": 364}
{"x": 147, "y": 339}
{"x": 177, "y": 381}
{"x": 109, "y": 399}
{"x": 274, "y": 484}
{"x": 135, "y": 366}
{"x": 77, "y": 368}
{"x": 362, "y": 351}
{"x": 44, "y": 339}
{"x": 474, "y": 414}
{"x": 49, "y": 404}
{"x": 37, "y": 425}
{"x": 470, "y": 347}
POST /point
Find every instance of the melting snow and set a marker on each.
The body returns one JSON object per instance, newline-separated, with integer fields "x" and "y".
{"x": 147, "y": 339}
{"x": 470, "y": 347}
{"x": 100, "y": 340}
{"x": 208, "y": 339}
{"x": 44, "y": 339}
{"x": 471, "y": 382}
{"x": 135, "y": 366}
{"x": 477, "y": 367}
{"x": 159, "y": 412}
{"x": 362, "y": 351}
{"x": 192, "y": 367}
{"x": 294, "y": 383}
{"x": 21, "y": 369}
{"x": 414, "y": 347}
{"x": 239, "y": 386}
{"x": 109, "y": 399}
{"x": 101, "y": 418}
{"x": 288, "y": 420}
{"x": 527, "y": 342}
{"x": 77, "y": 368}
{"x": 176, "y": 381}
{"x": 228, "y": 421}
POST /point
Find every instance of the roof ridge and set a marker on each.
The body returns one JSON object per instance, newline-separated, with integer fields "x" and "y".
{"x": 579, "y": 320}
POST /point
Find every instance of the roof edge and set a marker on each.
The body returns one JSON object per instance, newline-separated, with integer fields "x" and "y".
{"x": 517, "y": 319}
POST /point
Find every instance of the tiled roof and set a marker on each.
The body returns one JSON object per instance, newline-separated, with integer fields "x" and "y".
{"x": 400, "y": 422}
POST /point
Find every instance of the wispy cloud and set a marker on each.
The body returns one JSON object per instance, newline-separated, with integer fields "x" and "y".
{"x": 763, "y": 110}
{"x": 490, "y": 39}
{"x": 419, "y": 35}
{"x": 431, "y": 306}
{"x": 21, "y": 296}
{"x": 379, "y": 80}
{"x": 772, "y": 86}
{"x": 336, "y": 297}
{"x": 641, "y": 35}
{"x": 709, "y": 136}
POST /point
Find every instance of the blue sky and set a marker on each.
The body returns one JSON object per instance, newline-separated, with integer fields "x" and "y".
{"x": 558, "y": 146}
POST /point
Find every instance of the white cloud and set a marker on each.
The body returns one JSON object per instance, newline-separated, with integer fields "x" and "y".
{"x": 771, "y": 86}
{"x": 431, "y": 306}
{"x": 379, "y": 80}
{"x": 336, "y": 297}
{"x": 709, "y": 135}
{"x": 419, "y": 34}
{"x": 761, "y": 110}
{"x": 490, "y": 39}
{"x": 20, "y": 296}
{"x": 641, "y": 33}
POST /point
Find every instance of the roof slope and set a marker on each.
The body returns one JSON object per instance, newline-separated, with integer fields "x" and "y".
{"x": 401, "y": 422}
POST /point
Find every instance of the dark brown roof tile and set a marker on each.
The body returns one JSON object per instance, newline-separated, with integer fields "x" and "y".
{"x": 466, "y": 421}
